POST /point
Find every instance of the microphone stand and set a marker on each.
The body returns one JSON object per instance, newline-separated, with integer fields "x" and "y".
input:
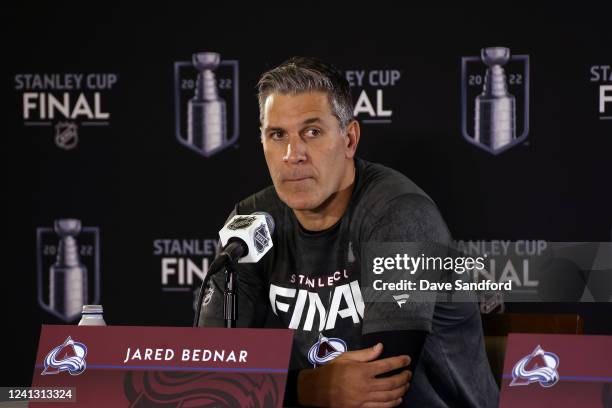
{"x": 230, "y": 295}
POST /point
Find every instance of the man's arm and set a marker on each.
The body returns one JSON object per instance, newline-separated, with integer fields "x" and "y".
{"x": 410, "y": 218}
{"x": 351, "y": 380}
{"x": 398, "y": 342}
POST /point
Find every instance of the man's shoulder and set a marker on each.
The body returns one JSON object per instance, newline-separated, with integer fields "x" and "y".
{"x": 389, "y": 200}
{"x": 381, "y": 186}
{"x": 386, "y": 183}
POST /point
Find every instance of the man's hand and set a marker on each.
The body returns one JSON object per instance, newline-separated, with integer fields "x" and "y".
{"x": 350, "y": 381}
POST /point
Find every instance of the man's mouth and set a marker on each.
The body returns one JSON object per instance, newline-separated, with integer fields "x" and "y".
{"x": 296, "y": 179}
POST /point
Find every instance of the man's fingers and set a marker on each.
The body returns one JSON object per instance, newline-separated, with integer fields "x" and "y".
{"x": 391, "y": 383}
{"x": 388, "y": 396}
{"x": 363, "y": 355}
{"x": 394, "y": 403}
{"x": 387, "y": 364}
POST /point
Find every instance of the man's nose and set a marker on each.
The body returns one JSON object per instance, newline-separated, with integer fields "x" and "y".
{"x": 296, "y": 150}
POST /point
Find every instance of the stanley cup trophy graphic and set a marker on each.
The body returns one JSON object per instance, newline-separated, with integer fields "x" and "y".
{"x": 67, "y": 277}
{"x": 206, "y": 112}
{"x": 495, "y": 109}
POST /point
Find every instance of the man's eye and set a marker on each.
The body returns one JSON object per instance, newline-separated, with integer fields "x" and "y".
{"x": 276, "y": 135}
{"x": 313, "y": 132}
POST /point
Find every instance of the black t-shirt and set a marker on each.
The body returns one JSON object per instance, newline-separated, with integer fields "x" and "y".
{"x": 312, "y": 282}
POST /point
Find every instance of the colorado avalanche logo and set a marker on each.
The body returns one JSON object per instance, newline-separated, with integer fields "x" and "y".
{"x": 539, "y": 366}
{"x": 325, "y": 350}
{"x": 69, "y": 356}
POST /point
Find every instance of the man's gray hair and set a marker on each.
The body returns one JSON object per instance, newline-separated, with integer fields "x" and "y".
{"x": 303, "y": 74}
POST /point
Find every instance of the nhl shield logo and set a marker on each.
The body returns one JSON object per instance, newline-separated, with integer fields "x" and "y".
{"x": 66, "y": 135}
{"x": 261, "y": 239}
{"x": 68, "y": 268}
{"x": 495, "y": 99}
{"x": 206, "y": 103}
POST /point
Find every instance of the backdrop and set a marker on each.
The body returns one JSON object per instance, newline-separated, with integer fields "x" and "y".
{"x": 106, "y": 126}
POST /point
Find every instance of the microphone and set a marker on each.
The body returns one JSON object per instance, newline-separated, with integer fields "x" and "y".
{"x": 245, "y": 239}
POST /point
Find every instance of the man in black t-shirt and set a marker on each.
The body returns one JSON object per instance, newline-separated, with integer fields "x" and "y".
{"x": 326, "y": 204}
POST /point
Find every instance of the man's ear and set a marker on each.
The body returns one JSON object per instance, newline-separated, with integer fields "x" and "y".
{"x": 353, "y": 132}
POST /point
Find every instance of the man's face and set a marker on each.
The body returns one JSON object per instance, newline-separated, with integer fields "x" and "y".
{"x": 308, "y": 156}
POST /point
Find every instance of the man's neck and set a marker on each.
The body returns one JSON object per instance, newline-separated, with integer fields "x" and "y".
{"x": 328, "y": 213}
